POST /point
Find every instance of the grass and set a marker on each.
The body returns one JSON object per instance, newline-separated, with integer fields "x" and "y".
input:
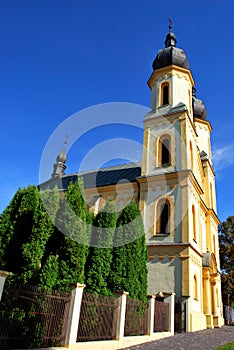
{"x": 227, "y": 346}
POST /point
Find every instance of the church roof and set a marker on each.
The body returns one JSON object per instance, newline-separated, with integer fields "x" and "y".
{"x": 97, "y": 178}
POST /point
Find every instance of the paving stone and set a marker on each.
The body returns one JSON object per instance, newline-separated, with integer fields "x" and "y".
{"x": 208, "y": 339}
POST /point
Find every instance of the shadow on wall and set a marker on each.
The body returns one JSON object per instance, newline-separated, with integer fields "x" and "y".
{"x": 164, "y": 275}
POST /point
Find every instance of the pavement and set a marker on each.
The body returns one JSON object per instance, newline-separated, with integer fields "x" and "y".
{"x": 207, "y": 339}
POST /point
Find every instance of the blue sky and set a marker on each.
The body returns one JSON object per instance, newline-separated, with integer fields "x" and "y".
{"x": 59, "y": 57}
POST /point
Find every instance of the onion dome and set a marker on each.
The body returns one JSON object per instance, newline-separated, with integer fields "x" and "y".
{"x": 199, "y": 109}
{"x": 59, "y": 166}
{"x": 171, "y": 55}
{"x": 61, "y": 157}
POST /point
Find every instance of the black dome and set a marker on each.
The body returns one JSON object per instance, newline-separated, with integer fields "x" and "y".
{"x": 199, "y": 109}
{"x": 171, "y": 55}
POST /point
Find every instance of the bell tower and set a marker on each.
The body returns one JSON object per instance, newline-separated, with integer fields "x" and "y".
{"x": 178, "y": 196}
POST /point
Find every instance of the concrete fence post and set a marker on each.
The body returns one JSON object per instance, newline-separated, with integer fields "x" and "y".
{"x": 3, "y": 276}
{"x": 170, "y": 297}
{"x": 74, "y": 314}
{"x": 120, "y": 315}
{"x": 151, "y": 302}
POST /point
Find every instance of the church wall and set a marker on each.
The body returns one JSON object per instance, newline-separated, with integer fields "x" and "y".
{"x": 181, "y": 90}
{"x": 197, "y": 318}
{"x": 121, "y": 194}
{"x": 185, "y": 215}
{"x": 209, "y": 187}
{"x": 197, "y": 321}
{"x": 190, "y": 157}
{"x": 215, "y": 242}
{"x": 203, "y": 230}
{"x": 145, "y": 152}
{"x": 153, "y": 102}
{"x": 176, "y": 127}
{"x": 193, "y": 156}
{"x": 164, "y": 275}
{"x": 196, "y": 291}
{"x": 209, "y": 242}
{"x": 160, "y": 127}
{"x": 203, "y": 136}
{"x": 180, "y": 86}
{"x": 157, "y": 190}
{"x": 193, "y": 214}
{"x": 212, "y": 236}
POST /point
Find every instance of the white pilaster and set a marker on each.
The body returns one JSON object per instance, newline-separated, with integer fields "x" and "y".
{"x": 74, "y": 314}
{"x": 151, "y": 315}
{"x": 171, "y": 298}
{"x": 121, "y": 315}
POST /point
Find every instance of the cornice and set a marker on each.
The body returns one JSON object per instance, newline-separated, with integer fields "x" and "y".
{"x": 169, "y": 69}
{"x": 173, "y": 245}
{"x": 204, "y": 122}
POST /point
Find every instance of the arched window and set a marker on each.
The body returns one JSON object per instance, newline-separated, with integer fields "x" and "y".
{"x": 191, "y": 154}
{"x": 195, "y": 287}
{"x": 163, "y": 216}
{"x": 164, "y": 150}
{"x": 165, "y": 94}
{"x": 194, "y": 223}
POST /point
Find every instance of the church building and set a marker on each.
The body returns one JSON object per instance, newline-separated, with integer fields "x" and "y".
{"x": 175, "y": 187}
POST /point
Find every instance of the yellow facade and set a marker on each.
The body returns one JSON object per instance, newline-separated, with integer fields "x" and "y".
{"x": 176, "y": 192}
{"x": 175, "y": 188}
{"x": 185, "y": 257}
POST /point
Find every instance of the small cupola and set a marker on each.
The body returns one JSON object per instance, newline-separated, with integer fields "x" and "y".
{"x": 171, "y": 55}
{"x": 170, "y": 38}
{"x": 59, "y": 166}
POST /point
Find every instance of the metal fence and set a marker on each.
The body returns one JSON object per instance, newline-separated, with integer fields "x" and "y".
{"x": 31, "y": 316}
{"x": 161, "y": 317}
{"x": 98, "y": 317}
{"x": 136, "y": 317}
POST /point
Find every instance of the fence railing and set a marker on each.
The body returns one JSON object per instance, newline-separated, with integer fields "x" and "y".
{"x": 31, "y": 316}
{"x": 136, "y": 317}
{"x": 34, "y": 317}
{"x": 97, "y": 317}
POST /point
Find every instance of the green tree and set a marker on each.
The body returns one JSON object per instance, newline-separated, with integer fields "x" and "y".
{"x": 226, "y": 242}
{"x": 101, "y": 254}
{"x": 49, "y": 273}
{"x": 25, "y": 229}
{"x": 71, "y": 241}
{"x": 33, "y": 248}
{"x": 7, "y": 225}
{"x": 129, "y": 269}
